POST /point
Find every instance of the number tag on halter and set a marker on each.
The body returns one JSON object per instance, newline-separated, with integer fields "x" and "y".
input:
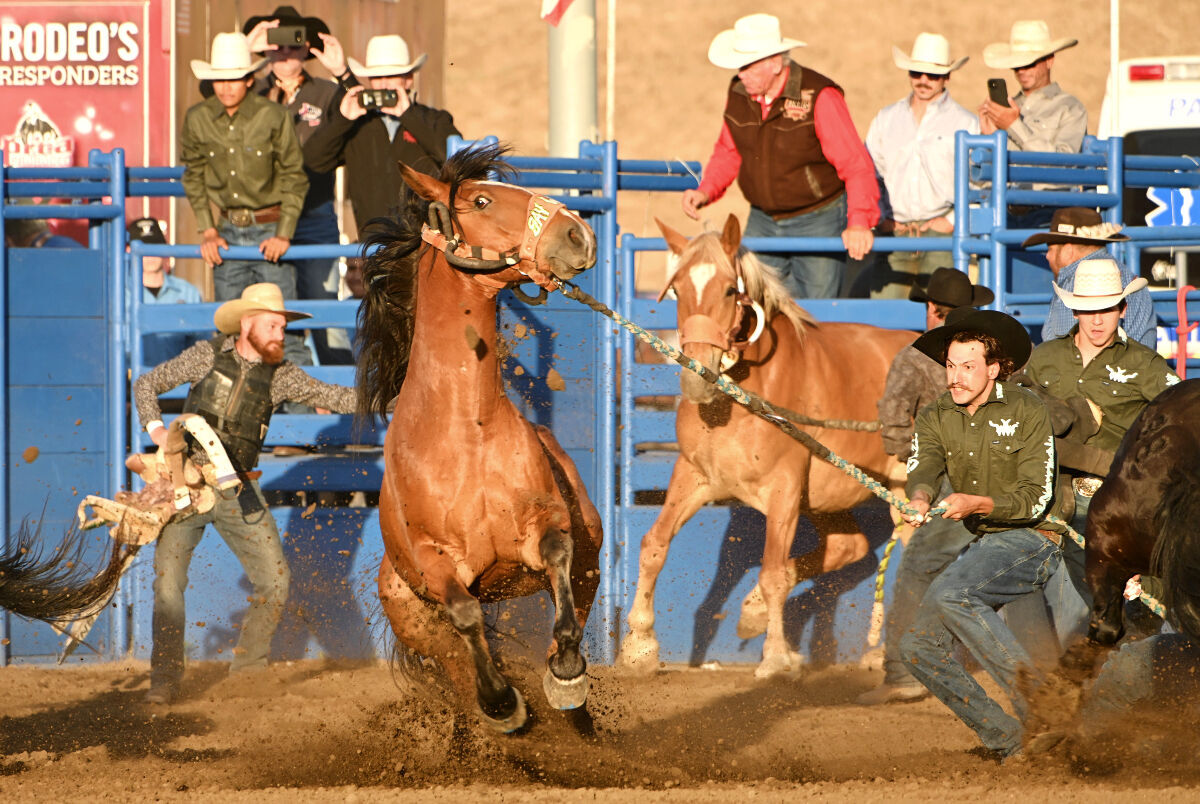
{"x": 538, "y": 215}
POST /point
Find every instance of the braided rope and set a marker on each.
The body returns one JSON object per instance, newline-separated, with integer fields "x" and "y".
{"x": 780, "y": 418}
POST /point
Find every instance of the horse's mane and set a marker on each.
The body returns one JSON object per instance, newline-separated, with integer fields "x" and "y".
{"x": 762, "y": 283}
{"x": 385, "y": 316}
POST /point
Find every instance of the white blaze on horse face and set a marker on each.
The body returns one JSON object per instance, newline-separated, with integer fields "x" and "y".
{"x": 701, "y": 274}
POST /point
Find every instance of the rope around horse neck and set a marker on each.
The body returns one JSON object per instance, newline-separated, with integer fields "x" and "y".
{"x": 776, "y": 415}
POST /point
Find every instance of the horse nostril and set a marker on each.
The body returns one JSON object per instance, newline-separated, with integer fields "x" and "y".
{"x": 574, "y": 235}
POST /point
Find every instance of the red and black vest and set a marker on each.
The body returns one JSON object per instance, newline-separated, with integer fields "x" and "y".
{"x": 783, "y": 172}
{"x": 236, "y": 403}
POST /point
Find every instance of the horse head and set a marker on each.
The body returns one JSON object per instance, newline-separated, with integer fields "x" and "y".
{"x": 713, "y": 301}
{"x": 501, "y": 233}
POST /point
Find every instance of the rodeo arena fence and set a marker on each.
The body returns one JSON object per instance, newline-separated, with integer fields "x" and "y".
{"x": 73, "y": 341}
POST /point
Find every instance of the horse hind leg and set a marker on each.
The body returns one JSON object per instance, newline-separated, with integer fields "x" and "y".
{"x": 565, "y": 682}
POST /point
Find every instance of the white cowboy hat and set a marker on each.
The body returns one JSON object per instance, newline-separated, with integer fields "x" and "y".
{"x": 1029, "y": 41}
{"x": 230, "y": 59}
{"x": 386, "y": 55}
{"x": 263, "y": 297}
{"x": 750, "y": 39}
{"x": 930, "y": 54}
{"x": 1098, "y": 286}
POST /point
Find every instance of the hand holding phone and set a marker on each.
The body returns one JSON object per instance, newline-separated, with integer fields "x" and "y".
{"x": 998, "y": 91}
{"x": 287, "y": 36}
{"x": 378, "y": 98}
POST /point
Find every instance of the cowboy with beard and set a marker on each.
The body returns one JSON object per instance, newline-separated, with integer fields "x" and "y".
{"x": 237, "y": 379}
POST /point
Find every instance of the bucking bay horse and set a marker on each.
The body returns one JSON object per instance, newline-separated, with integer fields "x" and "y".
{"x": 735, "y": 317}
{"x": 477, "y": 503}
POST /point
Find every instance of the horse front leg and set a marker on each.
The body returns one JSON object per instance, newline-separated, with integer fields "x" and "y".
{"x": 687, "y": 491}
{"x": 1107, "y": 582}
{"x": 565, "y": 682}
{"x": 775, "y": 584}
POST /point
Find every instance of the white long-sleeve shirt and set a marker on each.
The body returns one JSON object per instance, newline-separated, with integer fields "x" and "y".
{"x": 915, "y": 161}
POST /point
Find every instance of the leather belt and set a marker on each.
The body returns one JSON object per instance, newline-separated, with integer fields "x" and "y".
{"x": 244, "y": 216}
{"x": 1053, "y": 537}
{"x": 1086, "y": 486}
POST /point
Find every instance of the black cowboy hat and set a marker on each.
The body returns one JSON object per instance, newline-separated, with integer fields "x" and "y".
{"x": 1066, "y": 226}
{"x": 147, "y": 230}
{"x": 1013, "y": 337}
{"x": 287, "y": 15}
{"x": 951, "y": 287}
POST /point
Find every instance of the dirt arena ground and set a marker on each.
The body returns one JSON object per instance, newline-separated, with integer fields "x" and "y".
{"x": 311, "y": 731}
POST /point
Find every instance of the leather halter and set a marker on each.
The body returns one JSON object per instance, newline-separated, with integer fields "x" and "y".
{"x": 702, "y": 328}
{"x": 483, "y": 261}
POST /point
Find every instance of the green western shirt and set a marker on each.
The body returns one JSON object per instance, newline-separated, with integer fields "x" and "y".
{"x": 1004, "y": 451}
{"x": 251, "y": 159}
{"x": 1121, "y": 380}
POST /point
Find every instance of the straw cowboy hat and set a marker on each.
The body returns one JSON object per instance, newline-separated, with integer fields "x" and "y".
{"x": 287, "y": 15}
{"x": 1012, "y": 335}
{"x": 1098, "y": 286}
{"x": 930, "y": 54}
{"x": 1077, "y": 225}
{"x": 951, "y": 287}
{"x": 1029, "y": 41}
{"x": 386, "y": 55}
{"x": 230, "y": 59}
{"x": 263, "y": 297}
{"x": 750, "y": 39}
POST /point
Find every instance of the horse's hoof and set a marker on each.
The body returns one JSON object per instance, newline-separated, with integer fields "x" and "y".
{"x": 638, "y": 655}
{"x": 511, "y": 723}
{"x": 565, "y": 694}
{"x": 754, "y": 615}
{"x": 777, "y": 665}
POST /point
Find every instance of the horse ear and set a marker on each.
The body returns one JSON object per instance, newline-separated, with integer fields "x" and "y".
{"x": 675, "y": 241}
{"x": 426, "y": 187}
{"x": 731, "y": 237}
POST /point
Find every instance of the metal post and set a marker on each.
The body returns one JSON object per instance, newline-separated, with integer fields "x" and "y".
{"x": 572, "y": 68}
{"x": 4, "y": 529}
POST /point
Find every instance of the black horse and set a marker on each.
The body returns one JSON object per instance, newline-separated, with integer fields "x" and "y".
{"x": 59, "y": 587}
{"x": 1144, "y": 519}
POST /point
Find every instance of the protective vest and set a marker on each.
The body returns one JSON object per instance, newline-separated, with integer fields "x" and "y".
{"x": 783, "y": 172}
{"x": 236, "y": 403}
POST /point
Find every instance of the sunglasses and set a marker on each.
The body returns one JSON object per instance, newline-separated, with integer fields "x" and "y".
{"x": 931, "y": 76}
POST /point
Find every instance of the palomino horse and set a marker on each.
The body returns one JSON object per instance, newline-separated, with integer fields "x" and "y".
{"x": 476, "y": 504}
{"x": 821, "y": 371}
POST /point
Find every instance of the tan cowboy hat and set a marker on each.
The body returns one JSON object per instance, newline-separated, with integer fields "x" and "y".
{"x": 1098, "y": 286}
{"x": 751, "y": 38}
{"x": 1029, "y": 41}
{"x": 386, "y": 55}
{"x": 230, "y": 59}
{"x": 1077, "y": 225}
{"x": 930, "y": 54}
{"x": 264, "y": 297}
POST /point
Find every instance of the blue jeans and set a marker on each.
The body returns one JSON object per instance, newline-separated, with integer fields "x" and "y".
{"x": 961, "y": 606}
{"x": 318, "y": 279}
{"x": 231, "y": 277}
{"x": 1157, "y": 670}
{"x": 930, "y": 550}
{"x": 249, "y": 529}
{"x": 806, "y": 276}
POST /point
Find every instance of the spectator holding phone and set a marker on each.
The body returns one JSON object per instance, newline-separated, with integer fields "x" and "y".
{"x": 374, "y": 129}
{"x": 289, "y": 40}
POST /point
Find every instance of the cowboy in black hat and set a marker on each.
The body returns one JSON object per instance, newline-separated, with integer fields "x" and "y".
{"x": 913, "y": 382}
{"x": 1077, "y": 234}
{"x": 992, "y": 442}
{"x": 311, "y": 102}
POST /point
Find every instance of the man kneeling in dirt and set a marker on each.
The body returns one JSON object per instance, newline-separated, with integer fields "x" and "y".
{"x": 237, "y": 379}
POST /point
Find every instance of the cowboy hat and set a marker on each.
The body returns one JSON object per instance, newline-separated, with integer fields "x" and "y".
{"x": 147, "y": 230}
{"x": 287, "y": 15}
{"x": 230, "y": 59}
{"x": 1012, "y": 335}
{"x": 951, "y": 287}
{"x": 930, "y": 54}
{"x": 386, "y": 55}
{"x": 263, "y": 297}
{"x": 751, "y": 38}
{"x": 1098, "y": 286}
{"x": 1029, "y": 41}
{"x": 1077, "y": 225}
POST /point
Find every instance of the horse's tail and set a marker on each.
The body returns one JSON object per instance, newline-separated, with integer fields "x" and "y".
{"x": 60, "y": 587}
{"x": 1176, "y": 557}
{"x": 385, "y": 316}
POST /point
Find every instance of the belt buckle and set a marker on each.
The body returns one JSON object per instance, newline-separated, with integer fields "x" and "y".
{"x": 1086, "y": 486}
{"x": 241, "y": 216}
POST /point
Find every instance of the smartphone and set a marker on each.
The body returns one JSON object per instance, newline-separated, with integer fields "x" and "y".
{"x": 998, "y": 91}
{"x": 286, "y": 36}
{"x": 377, "y": 98}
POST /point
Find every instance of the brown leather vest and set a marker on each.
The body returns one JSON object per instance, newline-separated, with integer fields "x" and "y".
{"x": 784, "y": 171}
